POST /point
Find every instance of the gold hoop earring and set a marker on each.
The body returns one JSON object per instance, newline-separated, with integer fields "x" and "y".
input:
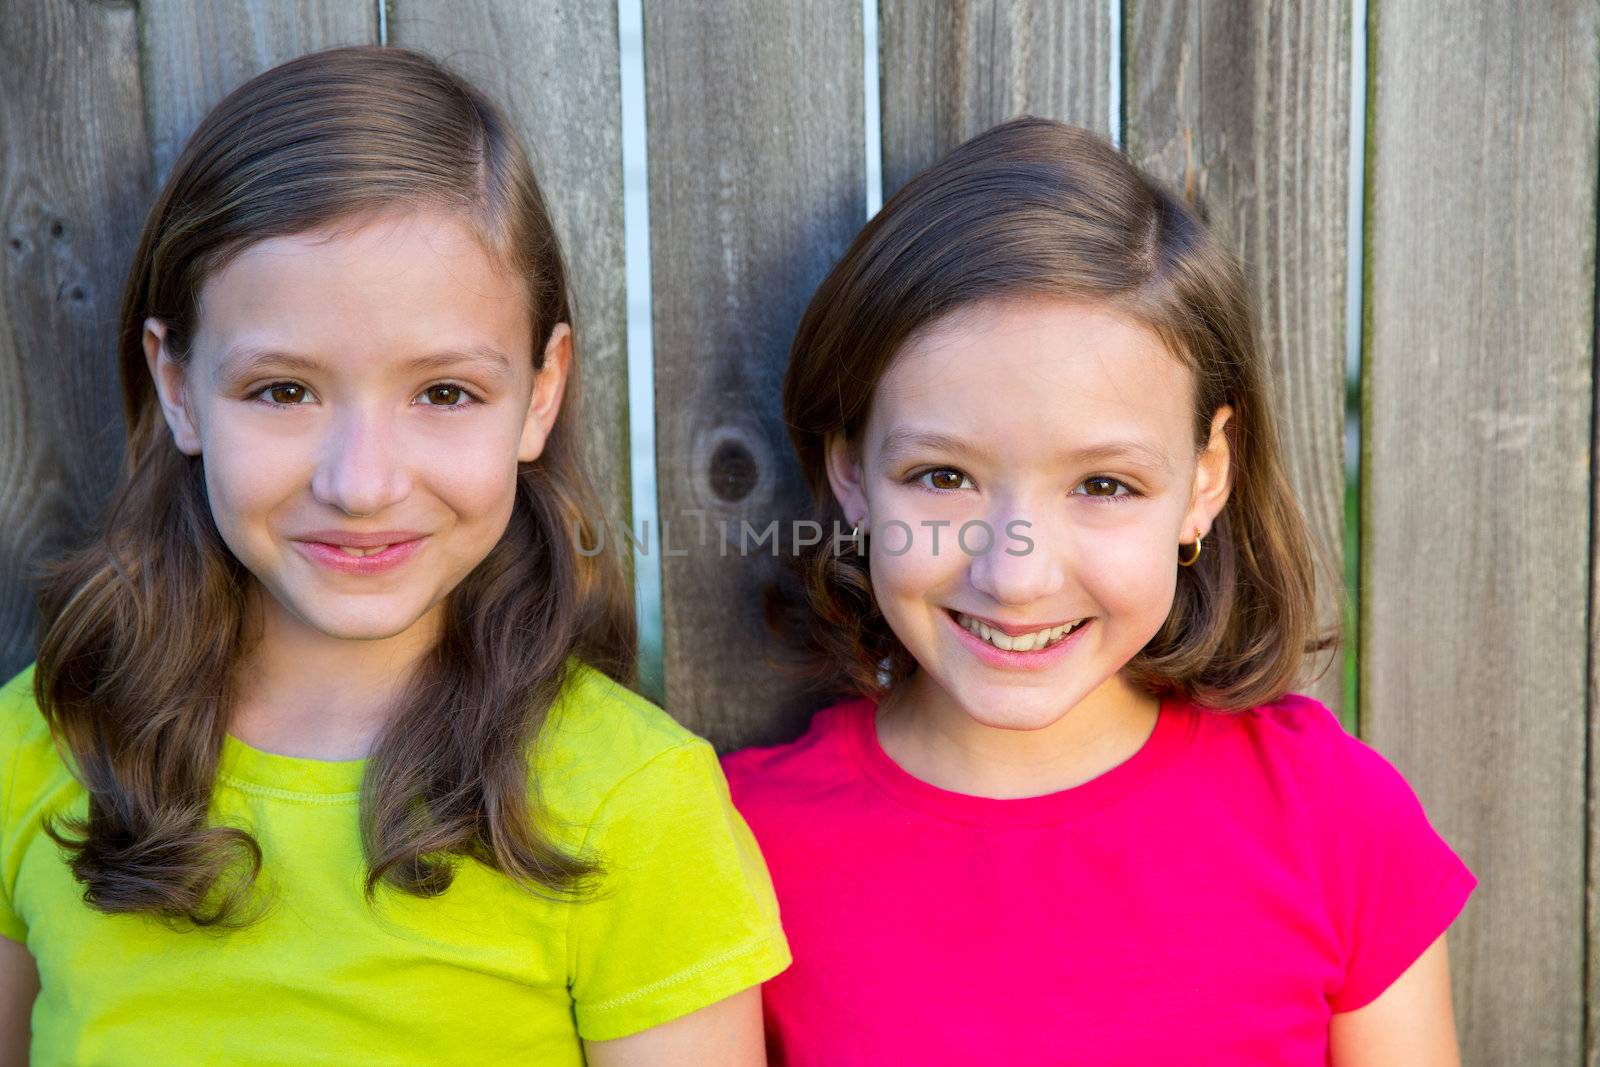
{"x": 1190, "y": 561}
{"x": 855, "y": 539}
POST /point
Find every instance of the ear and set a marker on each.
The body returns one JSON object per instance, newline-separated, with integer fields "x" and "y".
{"x": 845, "y": 476}
{"x": 171, "y": 387}
{"x": 1212, "y": 479}
{"x": 548, "y": 386}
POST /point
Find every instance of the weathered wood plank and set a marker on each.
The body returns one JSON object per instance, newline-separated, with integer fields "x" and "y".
{"x": 198, "y": 51}
{"x": 74, "y": 186}
{"x": 554, "y": 68}
{"x": 1244, "y": 108}
{"x": 757, "y": 184}
{"x": 1476, "y": 548}
{"x": 953, "y": 68}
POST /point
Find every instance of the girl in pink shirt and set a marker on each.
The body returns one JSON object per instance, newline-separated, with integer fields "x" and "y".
{"x": 1071, "y": 812}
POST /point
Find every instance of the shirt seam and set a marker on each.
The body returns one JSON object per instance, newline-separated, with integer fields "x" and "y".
{"x": 853, "y": 752}
{"x": 623, "y": 1000}
{"x": 290, "y": 795}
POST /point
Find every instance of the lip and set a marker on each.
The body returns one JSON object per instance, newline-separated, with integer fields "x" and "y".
{"x": 1043, "y": 659}
{"x": 328, "y": 554}
{"x": 351, "y": 539}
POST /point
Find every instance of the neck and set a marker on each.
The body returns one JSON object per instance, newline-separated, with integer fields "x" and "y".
{"x": 924, "y": 730}
{"x": 302, "y": 693}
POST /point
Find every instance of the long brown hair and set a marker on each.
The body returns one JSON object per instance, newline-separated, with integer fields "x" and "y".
{"x": 1038, "y": 207}
{"x": 142, "y": 626}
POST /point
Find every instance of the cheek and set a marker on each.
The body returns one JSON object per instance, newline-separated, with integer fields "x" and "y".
{"x": 907, "y": 562}
{"x": 1133, "y": 568}
{"x": 915, "y": 547}
{"x": 475, "y": 477}
{"x": 248, "y": 476}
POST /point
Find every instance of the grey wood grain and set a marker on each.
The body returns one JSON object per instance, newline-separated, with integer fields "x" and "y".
{"x": 1476, "y": 548}
{"x": 74, "y": 186}
{"x": 757, "y": 184}
{"x": 1243, "y": 108}
{"x": 554, "y": 68}
{"x": 198, "y": 51}
{"x": 950, "y": 69}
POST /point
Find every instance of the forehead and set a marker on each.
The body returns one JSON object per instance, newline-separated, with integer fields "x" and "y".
{"x": 1030, "y": 373}
{"x": 379, "y": 288}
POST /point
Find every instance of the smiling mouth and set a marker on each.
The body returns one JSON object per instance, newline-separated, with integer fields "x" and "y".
{"x": 358, "y": 553}
{"x": 361, "y": 559}
{"x": 1032, "y": 641}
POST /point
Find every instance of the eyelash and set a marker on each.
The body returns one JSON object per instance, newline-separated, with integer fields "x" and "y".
{"x": 468, "y": 397}
{"x": 1131, "y": 493}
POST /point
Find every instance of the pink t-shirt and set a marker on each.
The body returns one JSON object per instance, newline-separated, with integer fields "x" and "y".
{"x": 1211, "y": 900}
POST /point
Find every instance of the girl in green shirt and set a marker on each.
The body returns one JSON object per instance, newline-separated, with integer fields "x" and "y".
{"x": 326, "y": 756}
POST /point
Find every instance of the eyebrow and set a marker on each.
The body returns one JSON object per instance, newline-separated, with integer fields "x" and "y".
{"x": 244, "y": 360}
{"x": 900, "y": 441}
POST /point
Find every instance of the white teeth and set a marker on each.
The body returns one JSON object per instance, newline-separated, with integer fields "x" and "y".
{"x": 1028, "y": 642}
{"x": 359, "y": 552}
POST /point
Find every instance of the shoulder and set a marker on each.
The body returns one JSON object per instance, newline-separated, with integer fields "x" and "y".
{"x": 20, "y": 719}
{"x": 1295, "y": 762}
{"x": 799, "y": 772}
{"x": 600, "y": 738}
{"x": 1293, "y": 723}
{"x": 599, "y": 717}
{"x": 1298, "y": 740}
{"x": 28, "y": 753}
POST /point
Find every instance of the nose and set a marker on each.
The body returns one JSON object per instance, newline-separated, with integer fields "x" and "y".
{"x": 1024, "y": 564}
{"x": 360, "y": 469}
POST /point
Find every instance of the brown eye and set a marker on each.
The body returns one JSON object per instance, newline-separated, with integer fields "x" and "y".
{"x": 945, "y": 478}
{"x": 286, "y": 393}
{"x": 444, "y": 396}
{"x": 1107, "y": 488}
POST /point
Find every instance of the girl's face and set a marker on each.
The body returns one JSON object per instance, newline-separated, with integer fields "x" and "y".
{"x": 348, "y": 391}
{"x": 1064, "y": 430}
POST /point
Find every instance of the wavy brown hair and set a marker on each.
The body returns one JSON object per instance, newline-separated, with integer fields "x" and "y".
{"x": 1038, "y": 207}
{"x": 141, "y": 628}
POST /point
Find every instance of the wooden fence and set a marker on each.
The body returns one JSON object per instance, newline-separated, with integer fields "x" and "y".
{"x": 1478, "y": 567}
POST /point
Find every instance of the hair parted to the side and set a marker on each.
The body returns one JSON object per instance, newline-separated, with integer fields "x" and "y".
{"x": 1038, "y": 207}
{"x": 141, "y": 628}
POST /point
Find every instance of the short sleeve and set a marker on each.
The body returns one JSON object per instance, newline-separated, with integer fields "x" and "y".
{"x": 685, "y": 914}
{"x": 1396, "y": 884}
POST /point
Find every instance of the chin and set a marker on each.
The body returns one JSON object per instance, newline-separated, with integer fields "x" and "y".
{"x": 369, "y": 622}
{"x": 1015, "y": 708}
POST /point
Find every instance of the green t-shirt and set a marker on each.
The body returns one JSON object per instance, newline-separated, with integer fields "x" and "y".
{"x": 487, "y": 973}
